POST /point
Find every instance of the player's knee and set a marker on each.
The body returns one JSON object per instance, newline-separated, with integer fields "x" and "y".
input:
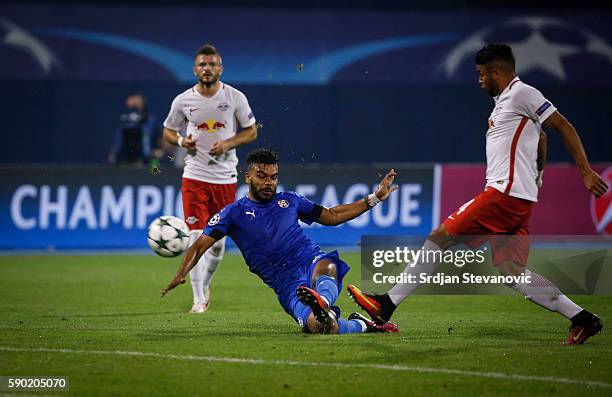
{"x": 193, "y": 236}
{"x": 324, "y": 268}
{"x": 441, "y": 237}
{"x": 315, "y": 327}
{"x": 438, "y": 232}
{"x": 510, "y": 268}
{"x": 218, "y": 248}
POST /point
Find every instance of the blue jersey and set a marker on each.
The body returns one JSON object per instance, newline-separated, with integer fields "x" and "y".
{"x": 272, "y": 242}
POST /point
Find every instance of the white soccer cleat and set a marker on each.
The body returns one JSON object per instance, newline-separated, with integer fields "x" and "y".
{"x": 199, "y": 308}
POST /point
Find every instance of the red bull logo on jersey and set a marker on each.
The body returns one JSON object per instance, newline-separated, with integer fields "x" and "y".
{"x": 211, "y": 125}
{"x": 601, "y": 210}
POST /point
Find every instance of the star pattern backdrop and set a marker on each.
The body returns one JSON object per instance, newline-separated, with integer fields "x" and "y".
{"x": 324, "y": 83}
{"x": 66, "y": 43}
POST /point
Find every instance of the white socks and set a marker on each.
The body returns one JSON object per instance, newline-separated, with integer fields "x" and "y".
{"x": 202, "y": 273}
{"x": 213, "y": 259}
{"x": 426, "y": 264}
{"x": 544, "y": 293}
{"x": 196, "y": 273}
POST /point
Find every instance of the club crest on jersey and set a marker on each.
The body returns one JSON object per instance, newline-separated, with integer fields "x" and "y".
{"x": 191, "y": 220}
{"x": 214, "y": 220}
{"x": 211, "y": 125}
{"x": 223, "y": 106}
{"x": 283, "y": 204}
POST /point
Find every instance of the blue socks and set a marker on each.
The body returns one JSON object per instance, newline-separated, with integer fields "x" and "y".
{"x": 327, "y": 287}
{"x": 350, "y": 326}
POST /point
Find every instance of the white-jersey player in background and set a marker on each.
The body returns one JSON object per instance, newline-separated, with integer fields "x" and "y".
{"x": 216, "y": 118}
{"x": 500, "y": 214}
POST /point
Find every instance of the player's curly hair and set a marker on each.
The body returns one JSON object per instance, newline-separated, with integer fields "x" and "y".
{"x": 495, "y": 52}
{"x": 262, "y": 156}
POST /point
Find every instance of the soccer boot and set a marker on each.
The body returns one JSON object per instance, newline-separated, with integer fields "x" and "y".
{"x": 584, "y": 325}
{"x": 371, "y": 326}
{"x": 379, "y": 307}
{"x": 323, "y": 314}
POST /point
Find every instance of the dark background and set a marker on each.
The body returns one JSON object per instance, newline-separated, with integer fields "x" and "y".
{"x": 392, "y": 114}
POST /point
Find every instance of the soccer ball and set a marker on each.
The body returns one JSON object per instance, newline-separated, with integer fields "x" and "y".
{"x": 168, "y": 236}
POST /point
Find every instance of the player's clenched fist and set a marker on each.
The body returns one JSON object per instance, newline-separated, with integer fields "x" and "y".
{"x": 188, "y": 142}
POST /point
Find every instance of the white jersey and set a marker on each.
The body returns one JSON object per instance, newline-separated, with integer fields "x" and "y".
{"x": 210, "y": 120}
{"x": 512, "y": 139}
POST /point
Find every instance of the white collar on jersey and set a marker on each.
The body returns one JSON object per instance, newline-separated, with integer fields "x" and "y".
{"x": 508, "y": 87}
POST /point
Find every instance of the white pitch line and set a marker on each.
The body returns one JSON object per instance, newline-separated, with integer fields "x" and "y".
{"x": 495, "y": 375}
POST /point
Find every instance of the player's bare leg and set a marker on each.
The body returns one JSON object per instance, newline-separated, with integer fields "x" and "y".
{"x": 196, "y": 277}
{"x": 381, "y": 307}
{"x": 543, "y": 292}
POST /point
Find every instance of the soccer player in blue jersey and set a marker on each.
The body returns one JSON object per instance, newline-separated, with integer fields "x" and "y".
{"x": 264, "y": 226}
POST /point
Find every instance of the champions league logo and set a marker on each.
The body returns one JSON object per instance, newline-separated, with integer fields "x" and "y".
{"x": 601, "y": 210}
{"x": 13, "y": 36}
{"x": 549, "y": 46}
{"x": 214, "y": 220}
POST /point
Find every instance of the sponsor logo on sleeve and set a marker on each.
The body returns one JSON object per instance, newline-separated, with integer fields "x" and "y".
{"x": 250, "y": 116}
{"x": 543, "y": 108}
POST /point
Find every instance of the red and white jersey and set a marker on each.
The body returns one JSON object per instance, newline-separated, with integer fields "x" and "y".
{"x": 210, "y": 120}
{"x": 512, "y": 139}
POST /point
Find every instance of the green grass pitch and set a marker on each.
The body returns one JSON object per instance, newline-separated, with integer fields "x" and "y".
{"x": 79, "y": 316}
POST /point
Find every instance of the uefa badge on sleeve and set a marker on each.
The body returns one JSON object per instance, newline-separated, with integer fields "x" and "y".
{"x": 214, "y": 220}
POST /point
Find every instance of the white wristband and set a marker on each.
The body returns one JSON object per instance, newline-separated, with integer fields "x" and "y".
{"x": 372, "y": 200}
{"x": 180, "y": 141}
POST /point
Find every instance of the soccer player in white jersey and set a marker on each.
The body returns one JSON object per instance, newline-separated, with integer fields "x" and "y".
{"x": 504, "y": 207}
{"x": 216, "y": 118}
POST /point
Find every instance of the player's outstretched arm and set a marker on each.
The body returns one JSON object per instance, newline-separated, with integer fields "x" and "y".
{"x": 343, "y": 213}
{"x": 542, "y": 151}
{"x": 201, "y": 245}
{"x": 542, "y": 157}
{"x": 592, "y": 180}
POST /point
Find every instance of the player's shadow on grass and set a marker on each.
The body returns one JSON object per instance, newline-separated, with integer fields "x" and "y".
{"x": 124, "y": 314}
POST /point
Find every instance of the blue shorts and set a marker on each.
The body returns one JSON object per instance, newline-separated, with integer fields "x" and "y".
{"x": 287, "y": 296}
